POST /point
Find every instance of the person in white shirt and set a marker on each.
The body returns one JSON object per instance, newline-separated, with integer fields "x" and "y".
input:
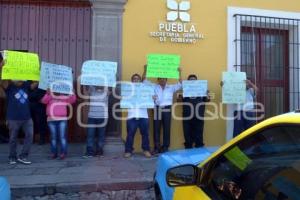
{"x": 162, "y": 111}
{"x": 137, "y": 118}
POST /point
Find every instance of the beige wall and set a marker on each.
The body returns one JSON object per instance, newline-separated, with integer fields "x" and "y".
{"x": 207, "y": 58}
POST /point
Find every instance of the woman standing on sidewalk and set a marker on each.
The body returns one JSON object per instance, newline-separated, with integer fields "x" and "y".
{"x": 57, "y": 119}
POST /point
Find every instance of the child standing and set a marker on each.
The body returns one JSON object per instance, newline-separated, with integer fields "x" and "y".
{"x": 57, "y": 120}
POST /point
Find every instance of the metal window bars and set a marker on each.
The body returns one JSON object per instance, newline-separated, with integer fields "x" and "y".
{"x": 267, "y": 49}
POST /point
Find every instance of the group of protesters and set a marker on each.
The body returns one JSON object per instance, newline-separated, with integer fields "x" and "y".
{"x": 29, "y": 106}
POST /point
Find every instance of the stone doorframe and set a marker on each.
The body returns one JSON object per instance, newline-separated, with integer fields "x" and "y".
{"x": 107, "y": 31}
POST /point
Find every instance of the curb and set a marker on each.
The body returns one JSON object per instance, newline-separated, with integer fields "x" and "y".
{"x": 41, "y": 190}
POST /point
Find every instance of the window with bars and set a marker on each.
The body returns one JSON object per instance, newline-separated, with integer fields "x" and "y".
{"x": 267, "y": 49}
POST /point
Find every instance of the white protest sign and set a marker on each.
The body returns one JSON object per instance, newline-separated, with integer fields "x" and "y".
{"x": 234, "y": 87}
{"x": 137, "y": 95}
{"x": 99, "y": 73}
{"x": 58, "y": 78}
{"x": 194, "y": 88}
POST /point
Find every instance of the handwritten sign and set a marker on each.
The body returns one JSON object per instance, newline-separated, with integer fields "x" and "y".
{"x": 238, "y": 158}
{"x": 58, "y": 78}
{"x": 234, "y": 87}
{"x": 194, "y": 88}
{"x": 99, "y": 73}
{"x": 21, "y": 66}
{"x": 163, "y": 66}
{"x": 137, "y": 95}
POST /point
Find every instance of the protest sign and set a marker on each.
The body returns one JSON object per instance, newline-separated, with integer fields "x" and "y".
{"x": 238, "y": 158}
{"x": 234, "y": 87}
{"x": 20, "y": 66}
{"x": 99, "y": 73}
{"x": 194, "y": 88}
{"x": 58, "y": 78}
{"x": 137, "y": 95}
{"x": 163, "y": 66}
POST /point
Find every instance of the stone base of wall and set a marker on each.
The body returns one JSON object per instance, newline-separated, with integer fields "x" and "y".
{"x": 102, "y": 195}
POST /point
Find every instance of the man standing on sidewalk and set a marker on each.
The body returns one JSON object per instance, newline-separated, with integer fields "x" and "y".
{"x": 18, "y": 117}
{"x": 162, "y": 112}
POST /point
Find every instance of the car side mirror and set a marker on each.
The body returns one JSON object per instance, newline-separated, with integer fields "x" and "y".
{"x": 183, "y": 175}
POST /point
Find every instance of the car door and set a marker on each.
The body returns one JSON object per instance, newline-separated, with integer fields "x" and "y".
{"x": 264, "y": 165}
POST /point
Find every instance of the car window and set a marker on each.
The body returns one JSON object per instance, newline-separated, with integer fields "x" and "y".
{"x": 263, "y": 166}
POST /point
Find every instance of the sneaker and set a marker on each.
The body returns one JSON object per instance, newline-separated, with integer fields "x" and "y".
{"x": 99, "y": 153}
{"x": 87, "y": 155}
{"x": 24, "y": 161}
{"x": 62, "y": 156}
{"x": 155, "y": 152}
{"x": 12, "y": 161}
{"x": 127, "y": 155}
{"x": 147, "y": 154}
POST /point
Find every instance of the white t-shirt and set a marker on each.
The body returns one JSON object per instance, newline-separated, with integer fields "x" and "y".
{"x": 165, "y": 96}
{"x": 137, "y": 113}
{"x": 249, "y": 104}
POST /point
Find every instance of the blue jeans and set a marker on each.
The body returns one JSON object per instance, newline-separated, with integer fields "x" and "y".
{"x": 100, "y": 124}
{"x": 132, "y": 125}
{"x": 58, "y": 129}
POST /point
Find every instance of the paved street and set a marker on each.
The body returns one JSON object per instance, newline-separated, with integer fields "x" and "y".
{"x": 76, "y": 174}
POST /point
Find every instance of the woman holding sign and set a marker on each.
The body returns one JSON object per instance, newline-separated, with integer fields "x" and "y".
{"x": 57, "y": 119}
{"x": 162, "y": 111}
{"x": 193, "y": 114}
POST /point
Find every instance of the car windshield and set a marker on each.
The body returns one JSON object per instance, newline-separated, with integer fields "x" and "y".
{"x": 264, "y": 166}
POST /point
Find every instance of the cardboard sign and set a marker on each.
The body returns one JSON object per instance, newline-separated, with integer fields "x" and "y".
{"x": 234, "y": 87}
{"x": 163, "y": 66}
{"x": 137, "y": 95}
{"x": 21, "y": 66}
{"x": 194, "y": 88}
{"x": 58, "y": 78}
{"x": 99, "y": 73}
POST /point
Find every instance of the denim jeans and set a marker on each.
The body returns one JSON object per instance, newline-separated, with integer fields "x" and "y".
{"x": 14, "y": 126}
{"x": 132, "y": 125}
{"x": 58, "y": 129}
{"x": 99, "y": 129}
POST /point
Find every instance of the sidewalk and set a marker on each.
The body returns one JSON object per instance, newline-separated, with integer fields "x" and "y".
{"x": 76, "y": 174}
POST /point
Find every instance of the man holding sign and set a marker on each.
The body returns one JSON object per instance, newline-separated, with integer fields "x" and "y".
{"x": 193, "y": 111}
{"x": 18, "y": 113}
{"x": 163, "y": 100}
{"x": 233, "y": 84}
{"x": 137, "y": 118}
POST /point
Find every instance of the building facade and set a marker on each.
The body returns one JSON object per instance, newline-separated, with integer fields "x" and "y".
{"x": 259, "y": 37}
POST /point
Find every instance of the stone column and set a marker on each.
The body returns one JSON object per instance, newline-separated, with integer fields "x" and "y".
{"x": 107, "y": 42}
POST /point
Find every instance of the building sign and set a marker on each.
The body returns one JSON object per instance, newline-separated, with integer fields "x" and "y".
{"x": 178, "y": 28}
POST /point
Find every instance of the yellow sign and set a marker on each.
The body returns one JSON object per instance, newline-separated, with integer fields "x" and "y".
{"x": 20, "y": 66}
{"x": 238, "y": 158}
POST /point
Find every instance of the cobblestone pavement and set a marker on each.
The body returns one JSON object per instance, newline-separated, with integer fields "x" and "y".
{"x": 108, "y": 177}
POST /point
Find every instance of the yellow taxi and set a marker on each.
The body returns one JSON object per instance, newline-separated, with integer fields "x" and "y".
{"x": 261, "y": 163}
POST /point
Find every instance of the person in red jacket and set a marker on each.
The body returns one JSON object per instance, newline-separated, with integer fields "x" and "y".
{"x": 57, "y": 120}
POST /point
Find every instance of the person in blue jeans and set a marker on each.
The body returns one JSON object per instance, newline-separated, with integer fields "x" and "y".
{"x": 137, "y": 118}
{"x": 97, "y": 119}
{"x": 57, "y": 113}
